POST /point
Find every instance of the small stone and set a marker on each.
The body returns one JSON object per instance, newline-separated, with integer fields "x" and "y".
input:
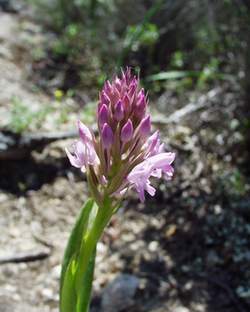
{"x": 217, "y": 209}
{"x": 181, "y": 309}
{"x": 153, "y": 246}
{"x": 171, "y": 230}
{"x": 3, "y": 198}
{"x": 56, "y": 272}
{"x": 213, "y": 258}
{"x": 119, "y": 294}
{"x": 243, "y": 292}
{"x": 47, "y": 293}
{"x": 188, "y": 286}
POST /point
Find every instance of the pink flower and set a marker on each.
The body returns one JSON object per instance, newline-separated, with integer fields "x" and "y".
{"x": 123, "y": 154}
{"x": 82, "y": 151}
{"x": 152, "y": 166}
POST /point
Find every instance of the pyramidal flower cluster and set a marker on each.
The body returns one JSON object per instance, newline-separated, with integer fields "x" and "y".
{"x": 124, "y": 154}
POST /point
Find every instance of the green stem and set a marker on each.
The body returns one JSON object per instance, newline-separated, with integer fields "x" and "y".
{"x": 93, "y": 235}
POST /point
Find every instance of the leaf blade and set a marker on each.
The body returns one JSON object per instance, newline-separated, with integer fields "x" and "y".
{"x": 68, "y": 295}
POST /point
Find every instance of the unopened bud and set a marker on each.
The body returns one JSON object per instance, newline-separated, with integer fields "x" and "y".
{"x": 84, "y": 132}
{"x": 132, "y": 88}
{"x": 140, "y": 105}
{"x": 145, "y": 126}
{"x": 107, "y": 136}
{"x": 104, "y": 98}
{"x": 118, "y": 83}
{"x": 119, "y": 111}
{"x": 103, "y": 115}
{"x": 127, "y": 131}
{"x": 107, "y": 87}
{"x": 126, "y": 102}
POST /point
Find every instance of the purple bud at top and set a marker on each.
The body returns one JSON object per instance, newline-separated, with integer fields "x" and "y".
{"x": 141, "y": 96}
{"x": 141, "y": 93}
{"x": 107, "y": 87}
{"x": 145, "y": 126}
{"x": 127, "y": 131}
{"x": 115, "y": 95}
{"x": 127, "y": 74}
{"x": 104, "y": 98}
{"x": 99, "y": 106}
{"x": 118, "y": 83}
{"x": 107, "y": 136}
{"x": 126, "y": 102}
{"x": 103, "y": 115}
{"x": 140, "y": 106}
{"x": 119, "y": 111}
{"x": 123, "y": 76}
{"x": 132, "y": 88}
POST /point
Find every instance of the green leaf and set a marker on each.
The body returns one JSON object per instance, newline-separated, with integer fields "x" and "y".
{"x": 178, "y": 74}
{"x": 172, "y": 75}
{"x": 79, "y": 260}
{"x": 98, "y": 219}
{"x": 85, "y": 293}
{"x": 70, "y": 262}
{"x": 68, "y": 297}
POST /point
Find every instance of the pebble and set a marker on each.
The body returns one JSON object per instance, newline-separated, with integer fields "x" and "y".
{"x": 181, "y": 309}
{"x": 119, "y": 294}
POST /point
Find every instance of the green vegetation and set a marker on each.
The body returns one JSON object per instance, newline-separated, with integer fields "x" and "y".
{"x": 206, "y": 41}
{"x": 22, "y": 118}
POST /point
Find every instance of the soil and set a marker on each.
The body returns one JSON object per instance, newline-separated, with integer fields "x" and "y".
{"x": 188, "y": 246}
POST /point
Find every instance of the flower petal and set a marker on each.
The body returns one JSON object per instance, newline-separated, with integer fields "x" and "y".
{"x": 150, "y": 189}
{"x": 84, "y": 132}
{"x": 83, "y": 154}
{"x": 152, "y": 166}
{"x": 74, "y": 160}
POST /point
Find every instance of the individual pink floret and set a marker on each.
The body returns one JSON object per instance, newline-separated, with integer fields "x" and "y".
{"x": 152, "y": 166}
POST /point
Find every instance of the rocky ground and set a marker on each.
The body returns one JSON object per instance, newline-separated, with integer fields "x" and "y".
{"x": 185, "y": 250}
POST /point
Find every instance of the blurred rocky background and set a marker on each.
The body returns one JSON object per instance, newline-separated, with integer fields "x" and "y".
{"x": 188, "y": 248}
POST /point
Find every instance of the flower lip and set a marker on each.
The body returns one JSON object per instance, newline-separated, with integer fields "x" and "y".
{"x": 82, "y": 152}
{"x": 75, "y": 159}
{"x": 152, "y": 166}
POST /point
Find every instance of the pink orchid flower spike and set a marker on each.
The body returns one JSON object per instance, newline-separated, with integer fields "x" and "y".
{"x": 123, "y": 153}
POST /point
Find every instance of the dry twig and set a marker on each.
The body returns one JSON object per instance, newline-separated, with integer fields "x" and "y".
{"x": 25, "y": 257}
{"x": 202, "y": 102}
